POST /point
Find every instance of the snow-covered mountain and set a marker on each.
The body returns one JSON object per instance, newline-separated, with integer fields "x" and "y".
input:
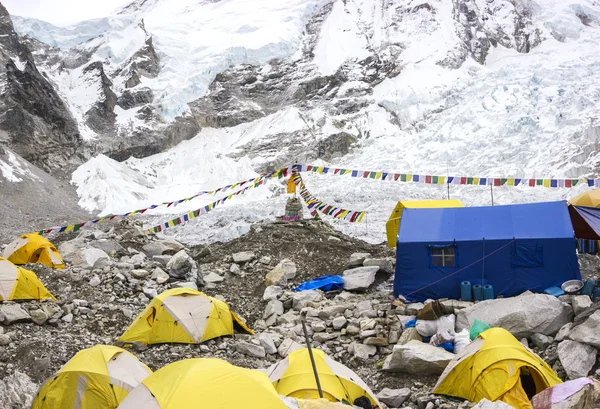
{"x": 206, "y": 93}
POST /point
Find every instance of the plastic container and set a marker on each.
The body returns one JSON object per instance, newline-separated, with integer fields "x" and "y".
{"x": 588, "y": 288}
{"x": 477, "y": 292}
{"x": 581, "y": 245}
{"x": 465, "y": 291}
{"x": 592, "y": 247}
{"x": 488, "y": 292}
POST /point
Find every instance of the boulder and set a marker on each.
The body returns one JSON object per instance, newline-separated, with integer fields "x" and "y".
{"x": 541, "y": 341}
{"x": 284, "y": 271}
{"x": 588, "y": 332}
{"x": 250, "y": 349}
{"x": 393, "y": 397}
{"x": 109, "y": 246}
{"x": 267, "y": 343}
{"x": 334, "y": 310}
{"x": 288, "y": 346}
{"x": 160, "y": 276}
{"x": 12, "y": 313}
{"x": 523, "y": 316}
{"x": 409, "y": 334}
{"x": 4, "y": 340}
{"x": 301, "y": 298}
{"x": 274, "y": 307}
{"x": 272, "y": 292}
{"x": 87, "y": 257}
{"x": 580, "y": 303}
{"x": 363, "y": 352}
{"x": 385, "y": 265}
{"x": 181, "y": 266}
{"x": 243, "y": 257}
{"x": 339, "y": 323}
{"x": 563, "y": 332}
{"x": 155, "y": 248}
{"x": 139, "y": 273}
{"x": 486, "y": 404}
{"x": 213, "y": 278}
{"x": 164, "y": 260}
{"x": 417, "y": 358}
{"x": 453, "y": 306}
{"x": 357, "y": 259}
{"x": 172, "y": 245}
{"x": 68, "y": 248}
{"x": 137, "y": 260}
{"x": 577, "y": 359}
{"x": 39, "y": 317}
{"x": 360, "y": 278}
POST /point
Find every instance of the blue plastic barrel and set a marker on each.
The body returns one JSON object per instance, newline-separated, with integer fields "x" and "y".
{"x": 465, "y": 291}
{"x": 581, "y": 246}
{"x": 592, "y": 247}
{"x": 488, "y": 292}
{"x": 597, "y": 294}
{"x": 588, "y": 287}
{"x": 477, "y": 292}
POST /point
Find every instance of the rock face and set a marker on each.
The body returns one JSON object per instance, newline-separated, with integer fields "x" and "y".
{"x": 577, "y": 359}
{"x": 417, "y": 358}
{"x": 523, "y": 316}
{"x": 360, "y": 278}
{"x": 588, "y": 332}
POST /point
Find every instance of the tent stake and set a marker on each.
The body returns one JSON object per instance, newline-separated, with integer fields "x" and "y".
{"x": 312, "y": 359}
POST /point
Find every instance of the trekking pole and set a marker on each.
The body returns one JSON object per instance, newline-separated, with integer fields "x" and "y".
{"x": 312, "y": 359}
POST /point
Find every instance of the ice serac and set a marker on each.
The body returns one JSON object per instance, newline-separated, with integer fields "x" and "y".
{"x": 34, "y": 121}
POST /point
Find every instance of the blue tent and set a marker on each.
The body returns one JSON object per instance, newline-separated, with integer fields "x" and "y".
{"x": 513, "y": 248}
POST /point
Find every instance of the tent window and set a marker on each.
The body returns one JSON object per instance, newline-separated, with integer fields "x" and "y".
{"x": 443, "y": 257}
{"x": 527, "y": 255}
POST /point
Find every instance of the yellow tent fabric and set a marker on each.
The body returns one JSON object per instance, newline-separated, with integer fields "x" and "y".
{"x": 95, "y": 378}
{"x": 33, "y": 248}
{"x": 393, "y": 223}
{"x": 294, "y": 377}
{"x": 17, "y": 283}
{"x": 202, "y": 383}
{"x": 491, "y": 367}
{"x": 182, "y": 315}
{"x": 590, "y": 198}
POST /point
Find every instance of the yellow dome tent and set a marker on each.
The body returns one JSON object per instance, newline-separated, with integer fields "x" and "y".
{"x": 496, "y": 366}
{"x": 182, "y": 315}
{"x": 294, "y": 377}
{"x": 393, "y": 223}
{"x": 591, "y": 198}
{"x": 33, "y": 248}
{"x": 17, "y": 283}
{"x": 95, "y": 378}
{"x": 202, "y": 383}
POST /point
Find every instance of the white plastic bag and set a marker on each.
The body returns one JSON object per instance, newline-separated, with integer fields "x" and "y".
{"x": 446, "y": 323}
{"x": 461, "y": 340}
{"x": 426, "y": 328}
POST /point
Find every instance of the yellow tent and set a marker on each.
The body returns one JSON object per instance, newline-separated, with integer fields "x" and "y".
{"x": 294, "y": 377}
{"x": 591, "y": 198}
{"x": 182, "y": 315}
{"x": 95, "y": 378}
{"x": 204, "y": 383}
{"x": 33, "y": 248}
{"x": 17, "y": 283}
{"x": 496, "y": 366}
{"x": 393, "y": 223}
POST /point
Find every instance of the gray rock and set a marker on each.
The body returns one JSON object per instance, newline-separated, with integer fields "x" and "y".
{"x": 377, "y": 341}
{"x": 486, "y": 404}
{"x": 363, "y": 352}
{"x": 414, "y": 308}
{"x": 137, "y": 260}
{"x": 267, "y": 343}
{"x": 87, "y": 257}
{"x": 95, "y": 281}
{"x": 185, "y": 284}
{"x": 563, "y": 332}
{"x": 235, "y": 269}
{"x": 243, "y": 257}
{"x": 334, "y": 310}
{"x": 274, "y": 307}
{"x": 577, "y": 359}
{"x": 318, "y": 326}
{"x": 357, "y": 259}
{"x": 159, "y": 276}
{"x": 360, "y": 278}
{"x": 289, "y": 317}
{"x": 288, "y": 346}
{"x": 580, "y": 303}
{"x": 213, "y": 278}
{"x": 12, "y": 313}
{"x": 164, "y": 260}
{"x": 284, "y": 271}
{"x": 393, "y": 337}
{"x": 272, "y": 292}
{"x": 39, "y": 317}
{"x": 139, "y": 273}
{"x": 417, "y": 358}
{"x": 150, "y": 292}
{"x": 541, "y": 341}
{"x": 172, "y": 245}
{"x": 68, "y": 318}
{"x": 385, "y": 265}
{"x": 155, "y": 248}
{"x": 68, "y": 248}
{"x": 339, "y": 322}
{"x": 182, "y": 267}
{"x": 249, "y": 349}
{"x": 4, "y": 340}
{"x": 393, "y": 397}
{"x": 301, "y": 298}
{"x": 588, "y": 332}
{"x": 323, "y": 337}
{"x": 523, "y": 316}
{"x": 265, "y": 260}
{"x": 109, "y": 246}
{"x": 453, "y": 306}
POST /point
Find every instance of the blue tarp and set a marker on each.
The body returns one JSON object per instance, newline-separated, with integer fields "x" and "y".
{"x": 325, "y": 283}
{"x": 513, "y": 248}
{"x": 586, "y": 222}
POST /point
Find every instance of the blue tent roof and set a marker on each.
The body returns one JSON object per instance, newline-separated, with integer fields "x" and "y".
{"x": 537, "y": 220}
